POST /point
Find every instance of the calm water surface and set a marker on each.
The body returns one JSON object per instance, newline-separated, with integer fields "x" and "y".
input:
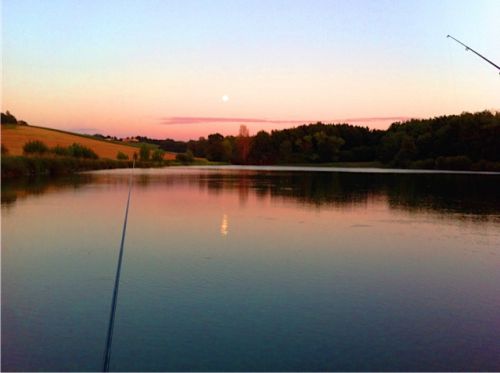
{"x": 253, "y": 269}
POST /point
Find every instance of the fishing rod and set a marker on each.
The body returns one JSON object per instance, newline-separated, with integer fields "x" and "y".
{"x": 467, "y": 48}
{"x": 111, "y": 324}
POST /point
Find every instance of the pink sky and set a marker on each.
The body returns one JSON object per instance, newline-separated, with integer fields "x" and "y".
{"x": 88, "y": 69}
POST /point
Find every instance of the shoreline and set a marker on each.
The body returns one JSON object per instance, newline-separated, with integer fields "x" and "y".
{"x": 16, "y": 167}
{"x": 20, "y": 166}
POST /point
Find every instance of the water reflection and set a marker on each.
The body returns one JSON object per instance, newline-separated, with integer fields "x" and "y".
{"x": 228, "y": 270}
{"x": 473, "y": 196}
{"x": 14, "y": 190}
{"x": 224, "y": 226}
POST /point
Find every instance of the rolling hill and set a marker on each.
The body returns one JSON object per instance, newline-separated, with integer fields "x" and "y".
{"x": 15, "y": 136}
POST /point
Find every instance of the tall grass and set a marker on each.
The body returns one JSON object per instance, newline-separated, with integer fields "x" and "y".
{"x": 20, "y": 166}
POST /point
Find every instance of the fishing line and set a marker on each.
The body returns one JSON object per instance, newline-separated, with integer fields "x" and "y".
{"x": 109, "y": 338}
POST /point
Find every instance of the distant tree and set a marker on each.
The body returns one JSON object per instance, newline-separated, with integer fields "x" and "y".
{"x": 35, "y": 147}
{"x": 242, "y": 146}
{"x": 81, "y": 151}
{"x": 121, "y": 156}
{"x": 459, "y": 162}
{"x": 262, "y": 150}
{"x": 144, "y": 153}
{"x": 60, "y": 150}
{"x": 308, "y": 148}
{"x": 328, "y": 147}
{"x": 157, "y": 155}
{"x": 227, "y": 148}
{"x": 285, "y": 152}
{"x": 199, "y": 147}
{"x": 358, "y": 154}
{"x": 406, "y": 153}
{"x": 413, "y": 143}
{"x": 185, "y": 158}
{"x": 389, "y": 146}
{"x": 216, "y": 151}
{"x": 8, "y": 118}
{"x": 424, "y": 144}
{"x": 171, "y": 145}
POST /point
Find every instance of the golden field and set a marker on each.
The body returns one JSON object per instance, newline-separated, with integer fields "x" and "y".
{"x": 14, "y": 138}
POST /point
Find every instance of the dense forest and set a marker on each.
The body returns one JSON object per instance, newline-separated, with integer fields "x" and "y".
{"x": 470, "y": 141}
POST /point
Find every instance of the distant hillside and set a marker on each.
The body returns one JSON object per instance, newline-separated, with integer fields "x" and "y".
{"x": 15, "y": 136}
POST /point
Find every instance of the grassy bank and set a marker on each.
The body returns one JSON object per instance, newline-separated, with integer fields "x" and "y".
{"x": 20, "y": 166}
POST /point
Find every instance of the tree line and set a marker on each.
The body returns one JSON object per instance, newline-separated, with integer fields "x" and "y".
{"x": 470, "y": 141}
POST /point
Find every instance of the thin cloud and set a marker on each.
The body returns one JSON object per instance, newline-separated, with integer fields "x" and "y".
{"x": 375, "y": 119}
{"x": 201, "y": 120}
{"x": 170, "y": 121}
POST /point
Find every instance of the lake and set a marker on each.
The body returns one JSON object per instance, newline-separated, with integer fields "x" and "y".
{"x": 253, "y": 269}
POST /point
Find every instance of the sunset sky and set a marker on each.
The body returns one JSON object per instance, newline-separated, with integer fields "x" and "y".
{"x": 184, "y": 69}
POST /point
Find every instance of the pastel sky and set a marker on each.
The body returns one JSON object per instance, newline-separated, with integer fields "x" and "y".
{"x": 161, "y": 68}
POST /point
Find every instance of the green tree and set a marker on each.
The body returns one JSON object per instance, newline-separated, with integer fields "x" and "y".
{"x": 185, "y": 158}
{"x": 407, "y": 152}
{"x": 333, "y": 146}
{"x": 144, "y": 153}
{"x": 227, "y": 147}
{"x": 389, "y": 146}
{"x": 215, "y": 148}
{"x": 199, "y": 147}
{"x": 35, "y": 147}
{"x": 121, "y": 156}
{"x": 8, "y": 118}
{"x": 242, "y": 146}
{"x": 262, "y": 150}
{"x": 327, "y": 147}
{"x": 81, "y": 151}
{"x": 285, "y": 151}
{"x": 157, "y": 155}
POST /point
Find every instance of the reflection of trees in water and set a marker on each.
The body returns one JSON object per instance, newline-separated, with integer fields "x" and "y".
{"x": 469, "y": 194}
{"x": 444, "y": 193}
{"x": 12, "y": 190}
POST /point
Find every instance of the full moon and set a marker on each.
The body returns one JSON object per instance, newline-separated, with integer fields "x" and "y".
{"x": 225, "y": 98}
